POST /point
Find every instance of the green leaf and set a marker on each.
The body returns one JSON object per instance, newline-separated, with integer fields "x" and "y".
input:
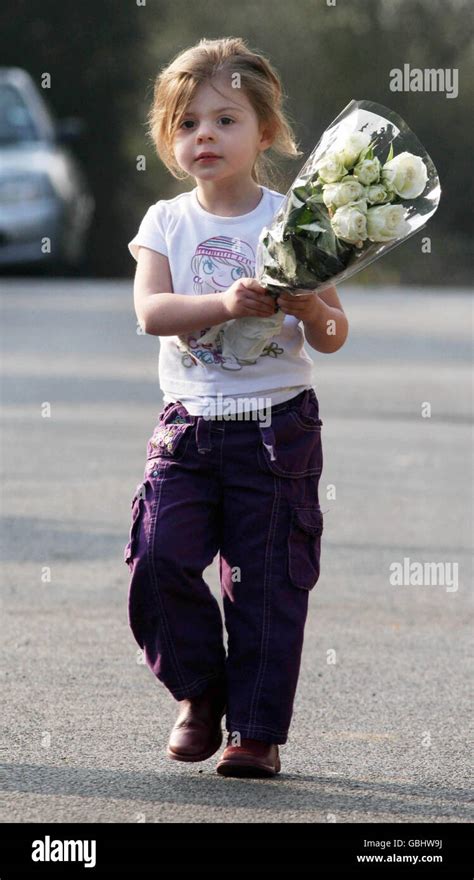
{"x": 390, "y": 153}
{"x": 301, "y": 193}
{"x": 367, "y": 153}
{"x": 316, "y": 199}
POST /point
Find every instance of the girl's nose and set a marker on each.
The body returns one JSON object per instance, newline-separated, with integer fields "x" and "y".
{"x": 203, "y": 135}
{"x": 203, "y": 130}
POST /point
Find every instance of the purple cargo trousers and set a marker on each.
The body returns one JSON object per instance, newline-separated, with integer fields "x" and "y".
{"x": 248, "y": 490}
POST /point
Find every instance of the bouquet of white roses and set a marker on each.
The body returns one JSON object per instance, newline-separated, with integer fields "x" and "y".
{"x": 367, "y": 186}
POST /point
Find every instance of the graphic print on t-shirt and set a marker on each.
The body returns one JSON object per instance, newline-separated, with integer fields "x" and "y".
{"x": 216, "y": 264}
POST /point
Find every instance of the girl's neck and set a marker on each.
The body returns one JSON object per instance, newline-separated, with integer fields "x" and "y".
{"x": 229, "y": 198}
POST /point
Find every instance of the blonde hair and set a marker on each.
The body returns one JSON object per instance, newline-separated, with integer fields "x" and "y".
{"x": 176, "y": 84}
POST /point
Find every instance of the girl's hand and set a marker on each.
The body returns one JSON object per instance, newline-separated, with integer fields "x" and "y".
{"x": 305, "y": 307}
{"x": 247, "y": 298}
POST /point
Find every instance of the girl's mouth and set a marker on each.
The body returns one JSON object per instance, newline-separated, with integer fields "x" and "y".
{"x": 208, "y": 159}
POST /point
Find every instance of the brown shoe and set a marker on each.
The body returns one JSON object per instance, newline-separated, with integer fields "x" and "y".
{"x": 252, "y": 758}
{"x": 197, "y": 732}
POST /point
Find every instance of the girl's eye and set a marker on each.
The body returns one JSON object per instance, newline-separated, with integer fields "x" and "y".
{"x": 208, "y": 266}
{"x": 237, "y": 273}
{"x": 191, "y": 121}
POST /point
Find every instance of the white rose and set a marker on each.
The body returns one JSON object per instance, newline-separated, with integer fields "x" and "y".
{"x": 406, "y": 174}
{"x": 377, "y": 194}
{"x": 349, "y": 223}
{"x": 367, "y": 171}
{"x": 360, "y": 204}
{"x": 353, "y": 147}
{"x": 331, "y": 168}
{"x": 386, "y": 222}
{"x": 335, "y": 195}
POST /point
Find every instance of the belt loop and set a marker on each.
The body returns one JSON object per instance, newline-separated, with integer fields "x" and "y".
{"x": 206, "y": 444}
{"x": 268, "y": 438}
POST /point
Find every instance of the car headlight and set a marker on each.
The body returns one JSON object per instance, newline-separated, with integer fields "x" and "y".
{"x": 24, "y": 188}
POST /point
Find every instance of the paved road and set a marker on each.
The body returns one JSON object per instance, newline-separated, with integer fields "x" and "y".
{"x": 381, "y": 734}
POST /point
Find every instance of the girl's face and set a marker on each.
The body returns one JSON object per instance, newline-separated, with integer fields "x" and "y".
{"x": 227, "y": 126}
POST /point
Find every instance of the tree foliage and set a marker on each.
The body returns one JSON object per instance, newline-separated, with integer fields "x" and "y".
{"x": 103, "y": 56}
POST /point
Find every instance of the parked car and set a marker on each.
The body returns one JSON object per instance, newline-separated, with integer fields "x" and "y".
{"x": 44, "y": 193}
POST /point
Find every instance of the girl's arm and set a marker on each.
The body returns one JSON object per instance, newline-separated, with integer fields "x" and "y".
{"x": 324, "y": 320}
{"x": 327, "y": 331}
{"x": 164, "y": 313}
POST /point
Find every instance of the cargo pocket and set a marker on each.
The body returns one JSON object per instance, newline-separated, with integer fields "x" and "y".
{"x": 169, "y": 440}
{"x": 291, "y": 445}
{"x": 137, "y": 507}
{"x": 304, "y": 546}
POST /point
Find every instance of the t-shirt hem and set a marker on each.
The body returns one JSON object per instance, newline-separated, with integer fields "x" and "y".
{"x": 191, "y": 389}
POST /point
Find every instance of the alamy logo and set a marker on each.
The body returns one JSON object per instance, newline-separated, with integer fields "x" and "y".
{"x": 427, "y": 79}
{"x": 48, "y": 850}
{"x": 248, "y": 408}
{"x": 423, "y": 574}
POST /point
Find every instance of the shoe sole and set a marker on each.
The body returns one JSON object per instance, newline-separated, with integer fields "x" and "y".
{"x": 182, "y": 756}
{"x": 244, "y": 769}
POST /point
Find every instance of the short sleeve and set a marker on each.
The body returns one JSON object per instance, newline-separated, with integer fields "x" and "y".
{"x": 151, "y": 232}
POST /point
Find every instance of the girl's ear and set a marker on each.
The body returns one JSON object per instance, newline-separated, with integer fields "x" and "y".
{"x": 267, "y": 135}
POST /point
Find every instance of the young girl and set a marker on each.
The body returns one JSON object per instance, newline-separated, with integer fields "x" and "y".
{"x": 234, "y": 462}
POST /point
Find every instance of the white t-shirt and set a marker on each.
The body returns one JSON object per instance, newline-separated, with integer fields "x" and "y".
{"x": 206, "y": 254}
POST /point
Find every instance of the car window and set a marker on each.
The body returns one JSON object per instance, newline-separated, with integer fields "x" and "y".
{"x": 16, "y": 122}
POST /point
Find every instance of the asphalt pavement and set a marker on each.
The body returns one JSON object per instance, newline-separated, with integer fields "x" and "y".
{"x": 381, "y": 723}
